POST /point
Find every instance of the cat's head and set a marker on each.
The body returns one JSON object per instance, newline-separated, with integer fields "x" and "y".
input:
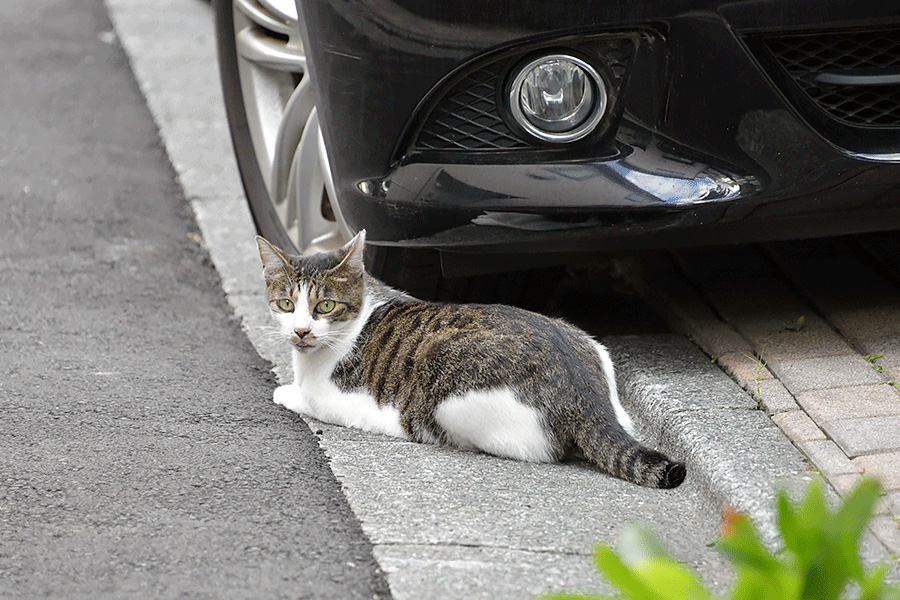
{"x": 316, "y": 300}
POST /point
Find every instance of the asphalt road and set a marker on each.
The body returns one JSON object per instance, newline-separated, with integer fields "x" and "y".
{"x": 136, "y": 458}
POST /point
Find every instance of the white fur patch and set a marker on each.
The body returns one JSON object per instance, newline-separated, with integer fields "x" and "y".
{"x": 322, "y": 400}
{"x": 351, "y": 409}
{"x": 610, "y": 374}
{"x": 494, "y": 421}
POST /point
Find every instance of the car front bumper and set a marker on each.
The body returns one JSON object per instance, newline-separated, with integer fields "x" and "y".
{"x": 709, "y": 140}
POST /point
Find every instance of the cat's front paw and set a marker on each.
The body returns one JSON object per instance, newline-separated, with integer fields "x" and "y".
{"x": 291, "y": 397}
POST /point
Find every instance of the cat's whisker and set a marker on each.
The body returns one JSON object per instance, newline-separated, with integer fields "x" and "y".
{"x": 271, "y": 333}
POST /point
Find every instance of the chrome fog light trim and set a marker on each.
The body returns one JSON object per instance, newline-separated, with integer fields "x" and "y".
{"x": 557, "y": 98}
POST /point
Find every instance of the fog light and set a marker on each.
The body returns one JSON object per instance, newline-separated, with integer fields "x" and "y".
{"x": 557, "y": 98}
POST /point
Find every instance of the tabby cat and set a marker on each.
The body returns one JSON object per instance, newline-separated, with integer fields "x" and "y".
{"x": 486, "y": 377}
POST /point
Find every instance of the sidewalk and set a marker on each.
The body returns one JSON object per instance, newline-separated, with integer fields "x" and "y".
{"x": 812, "y": 331}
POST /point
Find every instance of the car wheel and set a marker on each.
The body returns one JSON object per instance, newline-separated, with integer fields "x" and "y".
{"x": 275, "y": 127}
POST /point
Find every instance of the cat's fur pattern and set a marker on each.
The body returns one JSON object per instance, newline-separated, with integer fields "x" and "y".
{"x": 489, "y": 377}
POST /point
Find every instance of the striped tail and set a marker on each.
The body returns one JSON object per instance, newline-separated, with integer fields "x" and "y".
{"x": 620, "y": 455}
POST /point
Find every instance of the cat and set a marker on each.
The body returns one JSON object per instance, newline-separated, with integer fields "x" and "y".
{"x": 486, "y": 377}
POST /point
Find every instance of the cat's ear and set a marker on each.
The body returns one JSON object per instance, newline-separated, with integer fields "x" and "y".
{"x": 273, "y": 259}
{"x": 353, "y": 253}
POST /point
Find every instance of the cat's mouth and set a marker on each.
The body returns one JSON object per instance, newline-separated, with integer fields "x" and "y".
{"x": 304, "y": 344}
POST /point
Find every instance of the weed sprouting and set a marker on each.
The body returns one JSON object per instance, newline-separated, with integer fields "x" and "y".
{"x": 873, "y": 360}
{"x": 797, "y": 325}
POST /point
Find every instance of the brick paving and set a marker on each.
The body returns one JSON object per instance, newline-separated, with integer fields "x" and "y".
{"x": 812, "y": 331}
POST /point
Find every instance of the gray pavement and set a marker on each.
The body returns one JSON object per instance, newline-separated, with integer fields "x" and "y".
{"x": 448, "y": 524}
{"x": 135, "y": 459}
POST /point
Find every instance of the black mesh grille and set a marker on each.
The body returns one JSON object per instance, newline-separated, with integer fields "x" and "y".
{"x": 852, "y": 76}
{"x": 466, "y": 117}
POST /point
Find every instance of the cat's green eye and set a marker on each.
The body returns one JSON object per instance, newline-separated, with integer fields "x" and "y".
{"x": 325, "y": 306}
{"x": 286, "y": 305}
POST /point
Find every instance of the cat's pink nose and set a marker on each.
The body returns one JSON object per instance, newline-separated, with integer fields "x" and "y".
{"x": 301, "y": 333}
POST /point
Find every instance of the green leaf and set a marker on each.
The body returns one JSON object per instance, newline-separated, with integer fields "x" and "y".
{"x": 637, "y": 545}
{"x": 813, "y": 513}
{"x": 743, "y": 547}
{"x": 850, "y": 523}
{"x": 620, "y": 575}
{"x": 754, "y": 585}
{"x": 564, "y": 596}
{"x": 672, "y": 581}
{"x": 801, "y": 528}
{"x": 872, "y": 584}
{"x": 821, "y": 580}
{"x": 793, "y": 533}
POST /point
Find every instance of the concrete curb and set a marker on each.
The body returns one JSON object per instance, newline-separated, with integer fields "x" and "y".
{"x": 689, "y": 404}
{"x": 448, "y": 548}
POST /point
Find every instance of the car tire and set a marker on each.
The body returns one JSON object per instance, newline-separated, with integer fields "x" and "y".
{"x": 274, "y": 125}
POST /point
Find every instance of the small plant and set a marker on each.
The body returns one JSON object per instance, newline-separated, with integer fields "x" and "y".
{"x": 760, "y": 365}
{"x": 797, "y": 325}
{"x": 818, "y": 562}
{"x": 873, "y": 360}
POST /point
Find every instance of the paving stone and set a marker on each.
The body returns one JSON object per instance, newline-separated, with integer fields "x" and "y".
{"x": 673, "y": 373}
{"x": 892, "y": 499}
{"x": 844, "y": 484}
{"x": 883, "y": 467}
{"x": 814, "y": 339}
{"x": 684, "y": 309}
{"x": 892, "y": 376}
{"x": 855, "y": 401}
{"x": 715, "y": 425}
{"x": 797, "y": 425}
{"x": 870, "y": 435}
{"x": 775, "y": 398}
{"x": 876, "y": 318}
{"x": 747, "y": 370}
{"x": 884, "y": 247}
{"x": 718, "y": 339}
{"x": 887, "y": 531}
{"x": 827, "y": 457}
{"x": 758, "y": 308}
{"x": 807, "y": 374}
{"x": 886, "y": 345}
{"x": 437, "y": 572}
{"x": 226, "y": 226}
{"x": 881, "y": 507}
{"x": 836, "y": 278}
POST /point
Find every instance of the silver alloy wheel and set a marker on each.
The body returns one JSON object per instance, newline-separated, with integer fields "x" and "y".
{"x": 284, "y": 125}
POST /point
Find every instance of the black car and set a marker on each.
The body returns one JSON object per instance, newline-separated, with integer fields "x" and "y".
{"x": 503, "y": 134}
